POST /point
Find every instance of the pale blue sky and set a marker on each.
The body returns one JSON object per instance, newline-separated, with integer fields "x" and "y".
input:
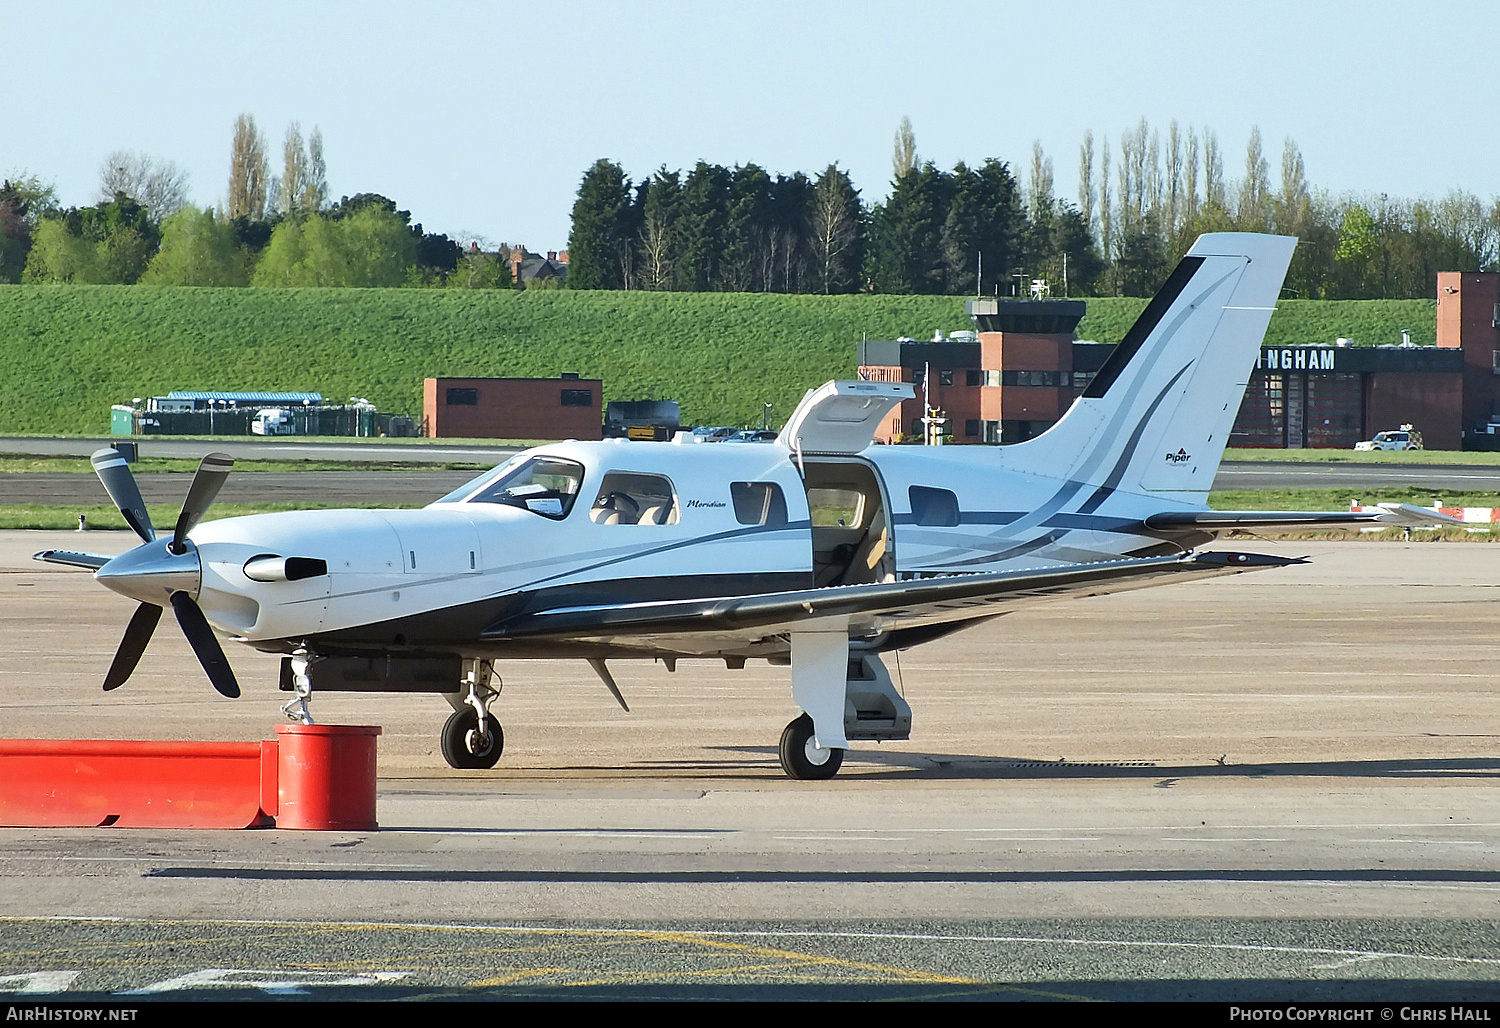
{"x": 482, "y": 117}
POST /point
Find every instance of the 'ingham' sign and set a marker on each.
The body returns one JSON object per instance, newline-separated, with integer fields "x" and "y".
{"x": 1297, "y": 358}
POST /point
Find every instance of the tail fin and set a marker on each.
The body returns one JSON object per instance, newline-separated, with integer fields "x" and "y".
{"x": 1156, "y": 417}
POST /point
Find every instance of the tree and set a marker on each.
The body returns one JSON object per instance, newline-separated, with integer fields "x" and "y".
{"x": 248, "y": 178}
{"x": 159, "y": 187}
{"x": 107, "y": 243}
{"x": 835, "y": 238}
{"x": 1358, "y": 247}
{"x": 907, "y": 252}
{"x": 294, "y": 172}
{"x": 904, "y": 154}
{"x": 1086, "y": 179}
{"x": 789, "y": 257}
{"x": 58, "y": 255}
{"x": 1253, "y": 212}
{"x": 983, "y": 228}
{"x": 1213, "y": 172}
{"x": 704, "y": 221}
{"x": 1039, "y": 184}
{"x": 481, "y": 269}
{"x": 747, "y": 230}
{"x": 600, "y": 230}
{"x": 658, "y": 199}
{"x": 315, "y": 189}
{"x": 376, "y": 246}
{"x": 197, "y": 249}
{"x": 368, "y": 246}
{"x": 23, "y": 202}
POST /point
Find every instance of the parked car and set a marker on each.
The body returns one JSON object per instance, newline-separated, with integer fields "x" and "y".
{"x": 752, "y": 435}
{"x": 1404, "y": 439}
{"x": 712, "y": 433}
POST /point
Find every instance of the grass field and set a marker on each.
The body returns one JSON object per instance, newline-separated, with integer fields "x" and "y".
{"x": 70, "y": 352}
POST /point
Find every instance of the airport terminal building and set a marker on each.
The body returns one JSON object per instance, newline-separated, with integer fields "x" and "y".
{"x": 1021, "y": 368}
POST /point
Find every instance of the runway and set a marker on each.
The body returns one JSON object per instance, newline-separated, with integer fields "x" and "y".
{"x": 1281, "y": 785}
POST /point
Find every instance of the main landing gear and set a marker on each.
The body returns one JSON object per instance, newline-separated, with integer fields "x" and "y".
{"x": 865, "y": 705}
{"x": 802, "y": 757}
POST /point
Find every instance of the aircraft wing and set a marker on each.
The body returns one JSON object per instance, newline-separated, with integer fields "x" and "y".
{"x": 1396, "y": 515}
{"x": 863, "y": 609}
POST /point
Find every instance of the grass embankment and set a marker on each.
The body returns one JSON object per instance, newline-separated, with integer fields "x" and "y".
{"x": 70, "y": 352}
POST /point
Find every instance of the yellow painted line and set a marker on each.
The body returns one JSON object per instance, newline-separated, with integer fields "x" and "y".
{"x": 516, "y": 976}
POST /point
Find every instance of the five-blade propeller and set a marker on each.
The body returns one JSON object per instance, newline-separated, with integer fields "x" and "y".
{"x": 121, "y": 486}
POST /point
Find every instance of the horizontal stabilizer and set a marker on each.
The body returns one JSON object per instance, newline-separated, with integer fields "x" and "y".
{"x": 73, "y": 559}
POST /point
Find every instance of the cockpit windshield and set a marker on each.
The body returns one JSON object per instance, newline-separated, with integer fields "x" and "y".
{"x": 542, "y": 485}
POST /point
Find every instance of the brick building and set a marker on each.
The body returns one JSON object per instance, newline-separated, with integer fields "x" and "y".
{"x": 1021, "y": 368}
{"x": 513, "y": 408}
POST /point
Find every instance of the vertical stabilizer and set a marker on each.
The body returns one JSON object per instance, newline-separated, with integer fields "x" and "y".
{"x": 1157, "y": 416}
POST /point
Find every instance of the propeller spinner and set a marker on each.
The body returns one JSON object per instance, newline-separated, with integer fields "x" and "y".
{"x": 162, "y": 572}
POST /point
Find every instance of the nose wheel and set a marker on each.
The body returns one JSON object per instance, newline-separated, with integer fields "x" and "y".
{"x": 466, "y": 747}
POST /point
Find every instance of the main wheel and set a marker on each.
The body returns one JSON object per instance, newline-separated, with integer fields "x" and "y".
{"x": 803, "y": 758}
{"x": 464, "y": 747}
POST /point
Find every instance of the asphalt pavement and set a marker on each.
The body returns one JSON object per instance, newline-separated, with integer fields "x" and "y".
{"x": 1281, "y": 785}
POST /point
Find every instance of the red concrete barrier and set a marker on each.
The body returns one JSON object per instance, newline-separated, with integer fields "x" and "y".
{"x": 66, "y": 783}
{"x": 319, "y": 777}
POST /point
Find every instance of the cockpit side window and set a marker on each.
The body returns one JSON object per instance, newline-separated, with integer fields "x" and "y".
{"x": 543, "y": 485}
{"x": 628, "y": 498}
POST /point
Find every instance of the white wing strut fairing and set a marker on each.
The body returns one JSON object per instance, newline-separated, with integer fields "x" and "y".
{"x": 821, "y": 551}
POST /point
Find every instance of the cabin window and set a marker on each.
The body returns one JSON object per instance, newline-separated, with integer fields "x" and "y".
{"x": 628, "y": 498}
{"x": 833, "y": 505}
{"x": 542, "y": 485}
{"x": 934, "y": 508}
{"x": 758, "y": 503}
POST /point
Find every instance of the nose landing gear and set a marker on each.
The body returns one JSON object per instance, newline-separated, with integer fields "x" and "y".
{"x": 471, "y": 739}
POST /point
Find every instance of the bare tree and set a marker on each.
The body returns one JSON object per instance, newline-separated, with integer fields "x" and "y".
{"x": 1106, "y": 212}
{"x": 1293, "y": 209}
{"x": 1086, "y": 180}
{"x": 161, "y": 188}
{"x": 1039, "y": 188}
{"x": 294, "y": 173}
{"x": 904, "y": 157}
{"x": 248, "y": 177}
{"x": 1189, "y": 201}
{"x": 315, "y": 189}
{"x": 1213, "y": 171}
{"x": 835, "y": 227}
{"x": 656, "y": 250}
{"x": 1173, "y": 212}
{"x": 1256, "y": 187}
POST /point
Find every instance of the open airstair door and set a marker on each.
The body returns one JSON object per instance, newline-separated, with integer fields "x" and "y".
{"x": 841, "y": 417}
{"x": 851, "y": 539}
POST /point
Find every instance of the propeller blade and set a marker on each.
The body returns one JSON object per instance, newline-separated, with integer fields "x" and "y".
{"x": 212, "y": 472}
{"x": 204, "y": 643}
{"x": 137, "y": 635}
{"x": 112, "y": 470}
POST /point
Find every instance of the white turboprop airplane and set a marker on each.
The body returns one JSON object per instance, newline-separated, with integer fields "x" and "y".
{"x": 820, "y": 551}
